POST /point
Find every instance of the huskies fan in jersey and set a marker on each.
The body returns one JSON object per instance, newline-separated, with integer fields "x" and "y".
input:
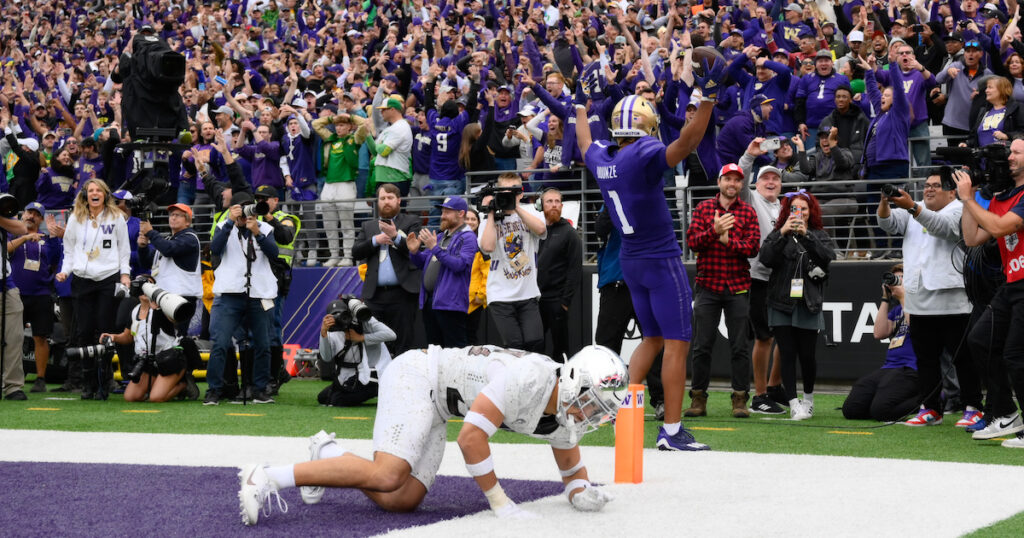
{"x": 992, "y": 334}
{"x": 421, "y": 390}
{"x": 630, "y": 171}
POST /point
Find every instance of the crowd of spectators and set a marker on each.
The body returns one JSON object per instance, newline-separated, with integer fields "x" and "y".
{"x": 315, "y": 104}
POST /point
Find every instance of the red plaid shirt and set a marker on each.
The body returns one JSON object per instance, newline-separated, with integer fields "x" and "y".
{"x": 724, "y": 268}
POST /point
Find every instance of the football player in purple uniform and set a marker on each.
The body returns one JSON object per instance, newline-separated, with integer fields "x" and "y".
{"x": 630, "y": 171}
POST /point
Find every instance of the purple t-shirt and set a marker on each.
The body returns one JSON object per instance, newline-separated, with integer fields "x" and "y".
{"x": 901, "y": 356}
{"x": 992, "y": 122}
{"x": 633, "y": 185}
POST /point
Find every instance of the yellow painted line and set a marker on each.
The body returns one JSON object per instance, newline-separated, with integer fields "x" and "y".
{"x": 140, "y": 411}
{"x": 704, "y": 428}
{"x": 245, "y": 414}
{"x": 42, "y": 409}
{"x": 351, "y": 418}
{"x": 456, "y": 420}
{"x": 837, "y": 432}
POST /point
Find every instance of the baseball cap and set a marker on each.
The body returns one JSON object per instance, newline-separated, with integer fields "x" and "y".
{"x": 855, "y": 36}
{"x": 37, "y": 207}
{"x": 122, "y": 194}
{"x": 731, "y": 169}
{"x": 241, "y": 197}
{"x": 266, "y": 191}
{"x": 955, "y": 36}
{"x": 391, "y": 78}
{"x": 50, "y": 134}
{"x": 181, "y": 207}
{"x": 823, "y": 54}
{"x": 759, "y": 100}
{"x": 392, "y": 102}
{"x": 769, "y": 169}
{"x": 224, "y": 109}
{"x": 795, "y": 7}
{"x": 527, "y": 111}
{"x": 455, "y": 202}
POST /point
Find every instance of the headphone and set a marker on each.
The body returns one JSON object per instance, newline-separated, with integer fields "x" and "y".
{"x": 538, "y": 204}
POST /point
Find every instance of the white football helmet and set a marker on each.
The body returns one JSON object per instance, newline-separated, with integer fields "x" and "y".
{"x": 591, "y": 385}
{"x": 634, "y": 117}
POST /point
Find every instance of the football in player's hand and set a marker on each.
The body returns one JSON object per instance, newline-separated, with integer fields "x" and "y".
{"x": 702, "y": 54}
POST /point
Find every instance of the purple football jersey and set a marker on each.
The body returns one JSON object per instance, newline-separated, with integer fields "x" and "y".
{"x": 633, "y": 185}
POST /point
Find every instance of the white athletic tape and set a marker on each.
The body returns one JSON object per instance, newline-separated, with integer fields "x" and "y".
{"x": 481, "y": 468}
{"x": 481, "y": 422}
{"x": 496, "y": 498}
{"x": 575, "y": 484}
{"x": 566, "y": 473}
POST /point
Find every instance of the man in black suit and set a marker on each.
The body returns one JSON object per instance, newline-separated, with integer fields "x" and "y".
{"x": 392, "y": 285}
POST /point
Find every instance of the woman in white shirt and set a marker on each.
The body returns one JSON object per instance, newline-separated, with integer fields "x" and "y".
{"x": 96, "y": 252}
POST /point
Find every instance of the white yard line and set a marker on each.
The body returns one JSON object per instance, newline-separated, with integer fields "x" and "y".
{"x": 707, "y": 493}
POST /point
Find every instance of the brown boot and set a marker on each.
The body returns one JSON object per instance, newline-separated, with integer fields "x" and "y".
{"x": 739, "y": 405}
{"x": 698, "y": 404}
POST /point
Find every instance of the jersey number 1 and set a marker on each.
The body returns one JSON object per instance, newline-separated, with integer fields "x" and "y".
{"x": 626, "y": 228}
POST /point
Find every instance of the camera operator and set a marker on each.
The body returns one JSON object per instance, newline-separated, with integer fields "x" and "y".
{"x": 996, "y": 344}
{"x": 13, "y": 326}
{"x": 890, "y": 392}
{"x": 512, "y": 292}
{"x": 176, "y": 263}
{"x": 286, "y": 231}
{"x": 161, "y": 367}
{"x": 936, "y": 300}
{"x": 351, "y": 351}
{"x": 97, "y": 252}
{"x": 245, "y": 289}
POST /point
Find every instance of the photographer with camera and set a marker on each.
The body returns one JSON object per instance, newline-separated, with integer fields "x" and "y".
{"x": 350, "y": 346}
{"x": 163, "y": 361}
{"x": 511, "y": 235}
{"x": 996, "y": 338}
{"x": 889, "y": 393}
{"x": 935, "y": 297}
{"x": 176, "y": 262}
{"x": 123, "y": 200}
{"x": 97, "y": 252}
{"x": 245, "y": 289}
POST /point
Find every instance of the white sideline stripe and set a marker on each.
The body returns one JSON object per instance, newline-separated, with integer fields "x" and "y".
{"x": 709, "y": 493}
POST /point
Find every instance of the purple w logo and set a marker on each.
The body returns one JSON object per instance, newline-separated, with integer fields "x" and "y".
{"x": 107, "y": 228}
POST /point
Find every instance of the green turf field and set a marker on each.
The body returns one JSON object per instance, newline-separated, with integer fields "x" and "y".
{"x": 297, "y": 414}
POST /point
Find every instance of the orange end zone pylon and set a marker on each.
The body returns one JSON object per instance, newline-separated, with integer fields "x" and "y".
{"x": 629, "y": 437}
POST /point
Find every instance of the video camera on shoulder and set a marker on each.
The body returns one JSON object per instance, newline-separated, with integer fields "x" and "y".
{"x": 503, "y": 199}
{"x": 988, "y": 167}
{"x": 348, "y": 313}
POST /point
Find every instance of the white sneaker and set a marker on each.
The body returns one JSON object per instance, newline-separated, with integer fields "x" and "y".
{"x": 310, "y": 262}
{"x": 331, "y": 262}
{"x": 346, "y": 262}
{"x": 798, "y": 410}
{"x": 1016, "y": 442}
{"x": 999, "y": 427}
{"x": 254, "y": 494}
{"x": 313, "y": 494}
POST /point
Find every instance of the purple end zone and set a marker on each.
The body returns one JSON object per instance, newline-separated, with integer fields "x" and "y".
{"x": 68, "y": 499}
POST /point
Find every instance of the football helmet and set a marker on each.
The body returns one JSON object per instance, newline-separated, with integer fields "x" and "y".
{"x": 590, "y": 387}
{"x": 634, "y": 117}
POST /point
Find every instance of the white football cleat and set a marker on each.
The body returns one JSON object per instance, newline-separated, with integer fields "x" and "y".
{"x": 313, "y": 494}
{"x": 254, "y": 494}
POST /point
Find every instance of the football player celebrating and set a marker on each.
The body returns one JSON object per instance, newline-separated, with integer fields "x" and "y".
{"x": 489, "y": 386}
{"x": 630, "y": 172}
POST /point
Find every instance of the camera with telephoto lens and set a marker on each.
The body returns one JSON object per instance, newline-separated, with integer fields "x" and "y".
{"x": 174, "y": 306}
{"x": 503, "y": 199}
{"x": 348, "y": 313}
{"x": 988, "y": 167}
{"x": 888, "y": 281}
{"x": 9, "y": 206}
{"x": 97, "y": 350}
{"x": 257, "y": 209}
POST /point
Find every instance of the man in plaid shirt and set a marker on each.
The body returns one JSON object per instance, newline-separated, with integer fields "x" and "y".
{"x": 724, "y": 232}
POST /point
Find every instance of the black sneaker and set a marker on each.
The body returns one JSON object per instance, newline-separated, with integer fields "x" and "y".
{"x": 778, "y": 395}
{"x": 243, "y": 396}
{"x": 191, "y": 391}
{"x": 659, "y": 412}
{"x": 67, "y": 387}
{"x": 17, "y": 395}
{"x": 212, "y": 398}
{"x": 39, "y": 385}
{"x": 263, "y": 397}
{"x": 764, "y": 405}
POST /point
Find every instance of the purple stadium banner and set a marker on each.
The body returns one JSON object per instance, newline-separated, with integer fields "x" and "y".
{"x": 313, "y": 288}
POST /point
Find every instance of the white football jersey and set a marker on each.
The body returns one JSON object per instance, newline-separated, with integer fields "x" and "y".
{"x": 529, "y": 379}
